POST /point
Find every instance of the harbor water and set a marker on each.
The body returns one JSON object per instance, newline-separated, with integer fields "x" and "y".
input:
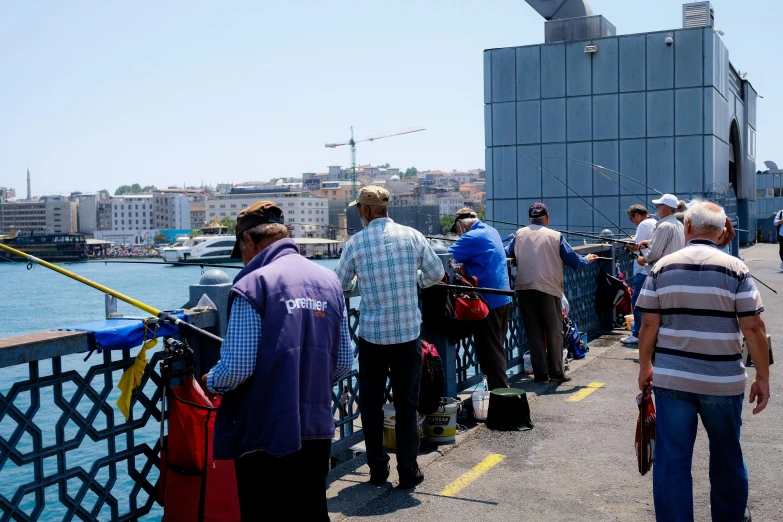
{"x": 40, "y": 299}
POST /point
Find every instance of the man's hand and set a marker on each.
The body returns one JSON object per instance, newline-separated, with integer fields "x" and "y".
{"x": 211, "y": 396}
{"x": 644, "y": 244}
{"x": 641, "y": 260}
{"x": 645, "y": 376}
{"x": 591, "y": 257}
{"x": 759, "y": 392}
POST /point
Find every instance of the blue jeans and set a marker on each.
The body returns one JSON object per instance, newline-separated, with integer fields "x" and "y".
{"x": 638, "y": 283}
{"x": 675, "y": 433}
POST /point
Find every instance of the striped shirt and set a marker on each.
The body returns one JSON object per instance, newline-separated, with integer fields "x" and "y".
{"x": 239, "y": 351}
{"x": 700, "y": 292}
{"x": 389, "y": 259}
{"x": 668, "y": 237}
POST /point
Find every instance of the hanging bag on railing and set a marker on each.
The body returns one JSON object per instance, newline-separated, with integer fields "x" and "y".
{"x": 432, "y": 386}
{"x": 464, "y": 308}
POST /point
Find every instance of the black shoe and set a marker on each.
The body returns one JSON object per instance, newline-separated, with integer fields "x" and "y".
{"x": 562, "y": 378}
{"x": 748, "y": 517}
{"x": 541, "y": 380}
{"x": 379, "y": 473}
{"x": 411, "y": 479}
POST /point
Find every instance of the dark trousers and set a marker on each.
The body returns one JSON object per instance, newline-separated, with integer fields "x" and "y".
{"x": 542, "y": 317}
{"x": 294, "y": 485}
{"x": 780, "y": 248}
{"x": 402, "y": 362}
{"x": 489, "y": 340}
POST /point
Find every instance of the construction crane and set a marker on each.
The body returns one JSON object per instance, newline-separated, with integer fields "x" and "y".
{"x": 352, "y": 142}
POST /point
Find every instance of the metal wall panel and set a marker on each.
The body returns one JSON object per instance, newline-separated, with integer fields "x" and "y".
{"x": 580, "y": 176}
{"x": 660, "y": 113}
{"x": 688, "y": 58}
{"x": 580, "y": 214}
{"x": 553, "y": 71}
{"x": 708, "y": 43}
{"x": 504, "y": 172}
{"x": 605, "y": 117}
{"x": 529, "y": 122}
{"x": 606, "y": 154}
{"x": 609, "y": 207}
{"x": 633, "y": 76}
{"x": 488, "y": 164}
{"x": 605, "y": 70}
{"x": 660, "y": 164}
{"x": 558, "y": 212}
{"x": 688, "y": 165}
{"x": 660, "y": 62}
{"x": 488, "y": 125}
{"x": 578, "y": 69}
{"x": 555, "y": 164}
{"x": 579, "y": 118}
{"x": 553, "y": 120}
{"x": 528, "y": 171}
{"x": 487, "y": 76}
{"x": 708, "y": 149}
{"x": 504, "y": 123}
{"x": 709, "y": 110}
{"x": 633, "y": 163}
{"x": 503, "y": 75}
{"x": 528, "y": 73}
{"x": 688, "y": 107}
{"x": 505, "y": 210}
{"x": 523, "y": 205}
{"x": 633, "y": 117}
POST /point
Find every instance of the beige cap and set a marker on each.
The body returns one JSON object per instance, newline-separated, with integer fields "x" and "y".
{"x": 372, "y": 196}
{"x": 464, "y": 213}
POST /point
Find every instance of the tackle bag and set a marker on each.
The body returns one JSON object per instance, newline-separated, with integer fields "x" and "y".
{"x": 433, "y": 380}
{"x": 464, "y": 309}
{"x": 645, "y": 431}
{"x": 572, "y": 340}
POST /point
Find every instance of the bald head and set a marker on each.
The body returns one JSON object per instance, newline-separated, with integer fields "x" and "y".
{"x": 705, "y": 220}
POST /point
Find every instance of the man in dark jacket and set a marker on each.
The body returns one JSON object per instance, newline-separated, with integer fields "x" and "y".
{"x": 481, "y": 253}
{"x": 286, "y": 343}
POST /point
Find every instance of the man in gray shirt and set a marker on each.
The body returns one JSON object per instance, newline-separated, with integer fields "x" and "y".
{"x": 668, "y": 235}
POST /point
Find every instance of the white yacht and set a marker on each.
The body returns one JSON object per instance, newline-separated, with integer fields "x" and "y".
{"x": 213, "y": 245}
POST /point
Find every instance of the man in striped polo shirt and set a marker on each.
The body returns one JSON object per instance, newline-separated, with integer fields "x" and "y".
{"x": 697, "y": 304}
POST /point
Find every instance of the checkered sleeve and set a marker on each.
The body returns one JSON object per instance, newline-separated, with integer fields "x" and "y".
{"x": 345, "y": 269}
{"x": 345, "y": 352}
{"x": 240, "y": 348}
{"x": 432, "y": 270}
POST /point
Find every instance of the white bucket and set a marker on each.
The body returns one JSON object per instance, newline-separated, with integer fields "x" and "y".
{"x": 528, "y": 364}
{"x": 480, "y": 404}
{"x": 389, "y": 423}
{"x": 441, "y": 426}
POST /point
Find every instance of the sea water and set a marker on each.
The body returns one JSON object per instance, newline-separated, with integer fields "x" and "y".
{"x": 40, "y": 299}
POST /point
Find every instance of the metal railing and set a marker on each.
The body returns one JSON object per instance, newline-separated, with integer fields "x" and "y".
{"x": 66, "y": 453}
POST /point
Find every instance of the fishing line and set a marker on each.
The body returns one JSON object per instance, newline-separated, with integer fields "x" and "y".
{"x": 572, "y": 190}
{"x": 609, "y": 170}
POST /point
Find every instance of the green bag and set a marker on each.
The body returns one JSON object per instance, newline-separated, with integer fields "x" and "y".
{"x": 508, "y": 410}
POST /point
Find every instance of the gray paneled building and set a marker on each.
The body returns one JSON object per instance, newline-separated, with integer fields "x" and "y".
{"x": 665, "y": 108}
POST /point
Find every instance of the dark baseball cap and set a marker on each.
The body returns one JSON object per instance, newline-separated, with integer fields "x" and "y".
{"x": 256, "y": 214}
{"x": 463, "y": 213}
{"x": 537, "y": 210}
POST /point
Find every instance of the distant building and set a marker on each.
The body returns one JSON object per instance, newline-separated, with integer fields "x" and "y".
{"x": 769, "y": 199}
{"x": 335, "y": 190}
{"x": 450, "y": 203}
{"x": 172, "y": 211}
{"x": 87, "y": 211}
{"x": 103, "y": 215}
{"x": 49, "y": 215}
{"x": 7, "y": 193}
{"x": 305, "y": 214}
{"x": 133, "y": 218}
{"x": 198, "y": 215}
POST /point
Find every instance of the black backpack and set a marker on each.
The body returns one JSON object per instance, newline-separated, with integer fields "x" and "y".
{"x": 432, "y": 379}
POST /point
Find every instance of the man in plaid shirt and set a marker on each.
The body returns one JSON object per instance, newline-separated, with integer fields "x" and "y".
{"x": 388, "y": 261}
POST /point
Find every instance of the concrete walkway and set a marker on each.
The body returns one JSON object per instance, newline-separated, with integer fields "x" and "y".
{"x": 578, "y": 463}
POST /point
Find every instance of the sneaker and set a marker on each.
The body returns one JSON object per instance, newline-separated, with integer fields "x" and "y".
{"x": 411, "y": 479}
{"x": 379, "y": 473}
{"x": 781, "y": 266}
{"x": 541, "y": 380}
{"x": 631, "y": 339}
{"x": 748, "y": 518}
{"x": 562, "y": 378}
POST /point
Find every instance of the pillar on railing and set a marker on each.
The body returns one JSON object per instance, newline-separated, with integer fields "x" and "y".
{"x": 216, "y": 285}
{"x": 446, "y": 349}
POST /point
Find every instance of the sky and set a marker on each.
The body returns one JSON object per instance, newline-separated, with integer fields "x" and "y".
{"x": 96, "y": 94}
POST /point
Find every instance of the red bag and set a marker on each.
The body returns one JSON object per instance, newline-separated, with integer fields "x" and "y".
{"x": 192, "y": 485}
{"x": 468, "y": 306}
{"x": 645, "y": 431}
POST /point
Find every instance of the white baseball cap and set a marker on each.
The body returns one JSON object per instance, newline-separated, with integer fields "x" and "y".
{"x": 670, "y": 200}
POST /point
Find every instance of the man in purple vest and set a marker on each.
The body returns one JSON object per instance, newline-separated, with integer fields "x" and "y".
{"x": 286, "y": 344}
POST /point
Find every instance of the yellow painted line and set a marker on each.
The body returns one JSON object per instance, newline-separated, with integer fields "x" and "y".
{"x": 466, "y": 478}
{"x": 636, "y": 351}
{"x": 584, "y": 392}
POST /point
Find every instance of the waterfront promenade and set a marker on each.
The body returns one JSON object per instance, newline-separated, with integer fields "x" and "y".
{"x": 578, "y": 464}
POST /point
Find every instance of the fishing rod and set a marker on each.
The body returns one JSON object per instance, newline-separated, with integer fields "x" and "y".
{"x": 493, "y": 291}
{"x": 609, "y": 170}
{"x": 572, "y": 190}
{"x": 765, "y": 284}
{"x": 163, "y": 263}
{"x": 580, "y": 234}
{"x": 164, "y": 316}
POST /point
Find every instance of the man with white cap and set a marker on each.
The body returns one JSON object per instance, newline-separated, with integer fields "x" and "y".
{"x": 388, "y": 261}
{"x": 668, "y": 235}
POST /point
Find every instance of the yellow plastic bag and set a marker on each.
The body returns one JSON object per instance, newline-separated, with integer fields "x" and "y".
{"x": 131, "y": 378}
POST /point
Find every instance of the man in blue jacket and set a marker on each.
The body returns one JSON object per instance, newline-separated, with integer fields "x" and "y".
{"x": 286, "y": 343}
{"x": 481, "y": 253}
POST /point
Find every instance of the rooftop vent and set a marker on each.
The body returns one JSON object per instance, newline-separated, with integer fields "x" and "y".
{"x": 698, "y": 14}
